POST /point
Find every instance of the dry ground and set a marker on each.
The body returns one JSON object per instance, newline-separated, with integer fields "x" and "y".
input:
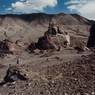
{"x": 57, "y": 73}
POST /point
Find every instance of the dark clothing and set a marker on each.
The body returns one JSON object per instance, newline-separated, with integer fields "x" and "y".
{"x": 91, "y": 40}
{"x": 44, "y": 44}
{"x": 52, "y": 31}
{"x": 58, "y": 30}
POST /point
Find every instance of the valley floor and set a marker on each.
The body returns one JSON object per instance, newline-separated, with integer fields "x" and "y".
{"x": 58, "y": 73}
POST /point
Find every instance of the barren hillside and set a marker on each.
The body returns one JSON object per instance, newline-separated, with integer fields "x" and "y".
{"x": 64, "y": 72}
{"x": 30, "y": 26}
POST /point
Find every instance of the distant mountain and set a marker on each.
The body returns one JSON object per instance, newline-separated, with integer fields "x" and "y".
{"x": 42, "y": 18}
{"x": 31, "y": 26}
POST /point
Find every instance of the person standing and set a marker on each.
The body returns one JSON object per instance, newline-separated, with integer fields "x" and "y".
{"x": 91, "y": 39}
{"x": 59, "y": 31}
{"x": 51, "y": 30}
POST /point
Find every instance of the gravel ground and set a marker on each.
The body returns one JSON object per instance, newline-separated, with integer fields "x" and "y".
{"x": 53, "y": 75}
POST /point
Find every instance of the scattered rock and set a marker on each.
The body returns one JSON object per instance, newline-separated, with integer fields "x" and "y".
{"x": 13, "y": 74}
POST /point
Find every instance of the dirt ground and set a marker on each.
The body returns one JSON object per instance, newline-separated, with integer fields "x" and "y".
{"x": 58, "y": 73}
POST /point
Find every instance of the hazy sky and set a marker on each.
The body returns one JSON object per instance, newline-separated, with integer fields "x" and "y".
{"x": 85, "y": 8}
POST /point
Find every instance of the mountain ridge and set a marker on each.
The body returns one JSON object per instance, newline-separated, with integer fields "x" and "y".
{"x": 31, "y": 26}
{"x": 66, "y": 18}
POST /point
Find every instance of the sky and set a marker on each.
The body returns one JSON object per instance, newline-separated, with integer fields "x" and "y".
{"x": 84, "y": 8}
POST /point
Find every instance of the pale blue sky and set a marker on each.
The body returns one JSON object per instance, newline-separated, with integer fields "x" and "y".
{"x": 85, "y": 8}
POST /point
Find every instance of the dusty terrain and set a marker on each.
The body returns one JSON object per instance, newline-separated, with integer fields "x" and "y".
{"x": 58, "y": 73}
{"x": 65, "y": 72}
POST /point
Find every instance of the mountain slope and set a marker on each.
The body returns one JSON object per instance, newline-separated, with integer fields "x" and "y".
{"x": 31, "y": 26}
{"x": 41, "y": 18}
